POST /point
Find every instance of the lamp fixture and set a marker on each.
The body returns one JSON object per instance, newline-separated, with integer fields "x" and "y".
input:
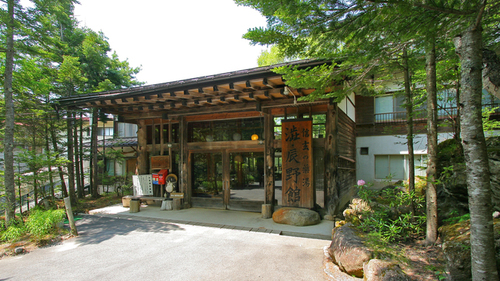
{"x": 255, "y": 137}
{"x": 287, "y": 91}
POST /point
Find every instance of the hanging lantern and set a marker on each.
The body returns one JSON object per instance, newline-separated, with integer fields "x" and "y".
{"x": 255, "y": 137}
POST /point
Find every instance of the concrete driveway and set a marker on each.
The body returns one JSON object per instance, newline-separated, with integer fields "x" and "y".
{"x": 121, "y": 249}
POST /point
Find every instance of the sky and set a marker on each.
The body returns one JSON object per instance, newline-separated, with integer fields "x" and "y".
{"x": 175, "y": 39}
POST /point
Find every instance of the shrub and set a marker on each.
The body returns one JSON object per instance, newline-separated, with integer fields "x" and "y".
{"x": 41, "y": 223}
{"x": 387, "y": 213}
{"x": 14, "y": 231}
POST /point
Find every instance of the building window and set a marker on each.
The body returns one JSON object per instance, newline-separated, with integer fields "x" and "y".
{"x": 396, "y": 167}
{"x": 126, "y": 130}
{"x": 390, "y": 167}
{"x": 363, "y": 151}
{"x": 388, "y": 108}
{"x": 106, "y": 131}
{"x": 226, "y": 130}
{"x": 420, "y": 165}
{"x": 318, "y": 126}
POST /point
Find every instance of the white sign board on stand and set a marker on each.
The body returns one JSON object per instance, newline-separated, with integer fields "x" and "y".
{"x": 143, "y": 185}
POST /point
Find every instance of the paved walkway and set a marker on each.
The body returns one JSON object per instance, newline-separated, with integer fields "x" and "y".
{"x": 220, "y": 219}
{"x": 112, "y": 249}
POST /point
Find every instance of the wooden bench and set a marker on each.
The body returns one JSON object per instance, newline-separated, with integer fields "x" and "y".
{"x": 146, "y": 199}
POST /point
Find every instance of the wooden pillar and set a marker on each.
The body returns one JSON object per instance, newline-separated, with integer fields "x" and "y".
{"x": 161, "y": 137}
{"x": 142, "y": 148}
{"x": 153, "y": 137}
{"x": 331, "y": 161}
{"x": 226, "y": 179}
{"x": 169, "y": 133}
{"x": 185, "y": 163}
{"x": 268, "y": 163}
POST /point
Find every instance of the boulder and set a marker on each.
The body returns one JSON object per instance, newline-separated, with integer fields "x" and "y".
{"x": 379, "y": 270}
{"x": 452, "y": 192}
{"x": 19, "y": 250}
{"x": 456, "y": 250}
{"x": 458, "y": 261}
{"x": 332, "y": 271}
{"x": 296, "y": 216}
{"x": 348, "y": 250}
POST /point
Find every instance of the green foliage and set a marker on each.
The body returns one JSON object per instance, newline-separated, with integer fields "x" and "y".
{"x": 490, "y": 124}
{"x": 41, "y": 223}
{"x": 272, "y": 56}
{"x": 15, "y": 230}
{"x": 38, "y": 224}
{"x": 456, "y": 218}
{"x": 390, "y": 218}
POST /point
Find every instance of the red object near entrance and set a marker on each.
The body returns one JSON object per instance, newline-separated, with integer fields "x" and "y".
{"x": 159, "y": 178}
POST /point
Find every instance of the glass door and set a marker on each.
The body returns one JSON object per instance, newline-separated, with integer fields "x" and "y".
{"x": 207, "y": 180}
{"x": 228, "y": 180}
{"x": 246, "y": 181}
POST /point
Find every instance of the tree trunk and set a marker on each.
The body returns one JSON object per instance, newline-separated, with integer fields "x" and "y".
{"x": 10, "y": 190}
{"x": 49, "y": 158}
{"x": 94, "y": 154}
{"x": 469, "y": 47}
{"x": 409, "y": 126}
{"x": 34, "y": 170}
{"x": 71, "y": 163}
{"x": 82, "y": 171}
{"x": 79, "y": 187}
{"x": 431, "y": 195}
{"x": 53, "y": 136}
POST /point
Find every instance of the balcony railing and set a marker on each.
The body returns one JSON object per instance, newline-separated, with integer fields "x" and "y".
{"x": 421, "y": 114}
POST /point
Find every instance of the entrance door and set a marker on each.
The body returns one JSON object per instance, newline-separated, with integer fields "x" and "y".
{"x": 246, "y": 181}
{"x": 228, "y": 180}
{"x": 207, "y": 180}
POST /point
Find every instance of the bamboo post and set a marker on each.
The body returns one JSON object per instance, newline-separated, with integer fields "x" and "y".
{"x": 69, "y": 212}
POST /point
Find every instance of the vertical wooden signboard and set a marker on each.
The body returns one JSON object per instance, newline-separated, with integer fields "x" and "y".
{"x": 297, "y": 174}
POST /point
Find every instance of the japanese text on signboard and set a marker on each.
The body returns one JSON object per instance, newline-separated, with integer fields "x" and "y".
{"x": 298, "y": 188}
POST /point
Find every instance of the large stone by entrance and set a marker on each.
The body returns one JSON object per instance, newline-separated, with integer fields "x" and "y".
{"x": 296, "y": 216}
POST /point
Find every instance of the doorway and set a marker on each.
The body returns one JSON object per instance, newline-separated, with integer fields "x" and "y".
{"x": 225, "y": 179}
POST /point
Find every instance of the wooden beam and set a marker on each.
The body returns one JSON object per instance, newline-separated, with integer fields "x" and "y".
{"x": 235, "y": 87}
{"x": 249, "y": 85}
{"x": 222, "y": 116}
{"x": 268, "y": 83}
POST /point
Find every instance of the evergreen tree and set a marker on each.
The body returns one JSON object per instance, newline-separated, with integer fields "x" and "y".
{"x": 318, "y": 29}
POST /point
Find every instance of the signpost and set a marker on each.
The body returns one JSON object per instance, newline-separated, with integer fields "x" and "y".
{"x": 297, "y": 174}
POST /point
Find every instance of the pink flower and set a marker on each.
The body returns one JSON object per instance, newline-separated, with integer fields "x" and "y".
{"x": 361, "y": 182}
